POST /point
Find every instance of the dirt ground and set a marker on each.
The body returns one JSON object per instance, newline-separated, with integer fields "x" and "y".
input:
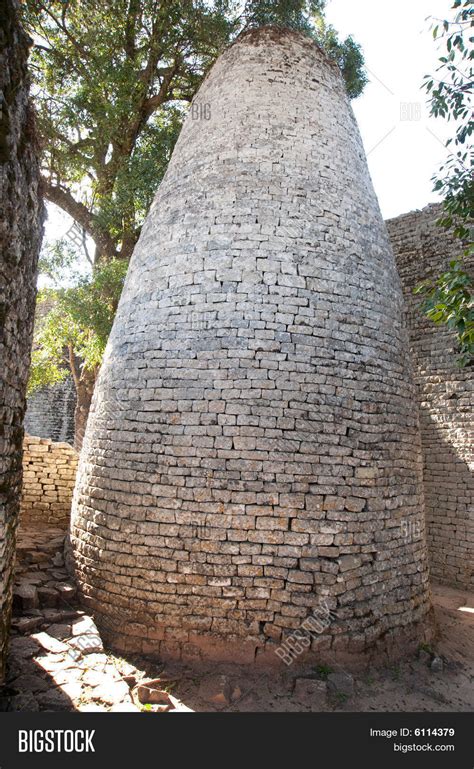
{"x": 409, "y": 686}
{"x": 57, "y": 661}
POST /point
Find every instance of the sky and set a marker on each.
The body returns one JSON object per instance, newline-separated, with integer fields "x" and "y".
{"x": 404, "y": 146}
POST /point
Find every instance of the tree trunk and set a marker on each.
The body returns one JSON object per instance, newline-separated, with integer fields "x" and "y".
{"x": 84, "y": 391}
{"x": 20, "y": 240}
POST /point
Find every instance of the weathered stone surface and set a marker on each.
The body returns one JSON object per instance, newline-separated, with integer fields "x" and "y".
{"x": 54, "y": 662}
{"x": 349, "y": 562}
{"x": 30, "y": 683}
{"x": 73, "y": 689}
{"x": 24, "y": 702}
{"x": 217, "y": 690}
{"x": 49, "y": 643}
{"x": 92, "y": 707}
{"x": 54, "y": 699}
{"x": 23, "y": 647}
{"x": 446, "y": 400}
{"x": 340, "y": 683}
{"x": 67, "y": 593}
{"x": 424, "y": 657}
{"x": 93, "y": 677}
{"x": 20, "y": 239}
{"x": 61, "y": 632}
{"x": 58, "y": 559}
{"x": 86, "y": 644}
{"x": 50, "y": 411}
{"x": 111, "y": 692}
{"x": 49, "y": 474}
{"x": 124, "y": 707}
{"x": 27, "y": 624}
{"x": 147, "y": 694}
{"x": 256, "y": 388}
{"x": 25, "y": 597}
{"x": 42, "y": 663}
{"x": 311, "y": 692}
{"x": 84, "y": 625}
{"x": 48, "y": 597}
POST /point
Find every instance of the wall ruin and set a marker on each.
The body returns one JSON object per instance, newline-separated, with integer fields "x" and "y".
{"x": 50, "y": 412}
{"x": 20, "y": 238}
{"x": 49, "y": 473}
{"x": 446, "y": 400}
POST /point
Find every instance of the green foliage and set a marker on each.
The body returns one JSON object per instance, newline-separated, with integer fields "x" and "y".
{"x": 139, "y": 175}
{"x": 57, "y": 259}
{"x": 451, "y": 98}
{"x": 448, "y": 299}
{"x": 294, "y": 14}
{"x": 109, "y": 79}
{"x": 349, "y": 57}
{"x": 425, "y": 647}
{"x": 323, "y": 671}
{"x": 78, "y": 324}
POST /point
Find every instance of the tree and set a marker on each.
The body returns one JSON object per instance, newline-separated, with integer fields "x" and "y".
{"x": 110, "y": 107}
{"x": 111, "y": 79}
{"x": 70, "y": 339}
{"x": 447, "y": 299}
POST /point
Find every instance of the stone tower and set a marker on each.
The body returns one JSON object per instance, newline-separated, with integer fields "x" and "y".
{"x": 253, "y": 452}
{"x": 20, "y": 238}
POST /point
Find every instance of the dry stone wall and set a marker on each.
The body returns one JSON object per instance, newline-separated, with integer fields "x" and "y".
{"x": 20, "y": 238}
{"x": 50, "y": 412}
{"x": 252, "y": 456}
{"x": 49, "y": 474}
{"x": 446, "y": 399}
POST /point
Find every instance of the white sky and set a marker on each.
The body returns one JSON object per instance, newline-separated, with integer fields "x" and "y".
{"x": 399, "y": 50}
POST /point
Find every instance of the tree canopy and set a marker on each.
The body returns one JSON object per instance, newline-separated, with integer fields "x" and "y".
{"x": 110, "y": 81}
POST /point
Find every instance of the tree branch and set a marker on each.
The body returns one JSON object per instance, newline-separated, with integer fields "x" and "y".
{"x": 81, "y": 214}
{"x": 73, "y": 366}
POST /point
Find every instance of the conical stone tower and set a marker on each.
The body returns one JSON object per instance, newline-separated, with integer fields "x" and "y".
{"x": 252, "y": 458}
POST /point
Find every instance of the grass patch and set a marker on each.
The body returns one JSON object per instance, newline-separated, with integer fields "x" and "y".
{"x": 322, "y": 671}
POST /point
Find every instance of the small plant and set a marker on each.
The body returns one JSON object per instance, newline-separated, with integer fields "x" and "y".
{"x": 425, "y": 648}
{"x": 342, "y": 697}
{"x": 447, "y": 300}
{"x": 323, "y": 671}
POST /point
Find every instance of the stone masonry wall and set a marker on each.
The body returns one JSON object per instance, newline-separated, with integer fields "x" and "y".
{"x": 253, "y": 450}
{"x": 20, "y": 239}
{"x": 50, "y": 412}
{"x": 446, "y": 398}
{"x": 49, "y": 474}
